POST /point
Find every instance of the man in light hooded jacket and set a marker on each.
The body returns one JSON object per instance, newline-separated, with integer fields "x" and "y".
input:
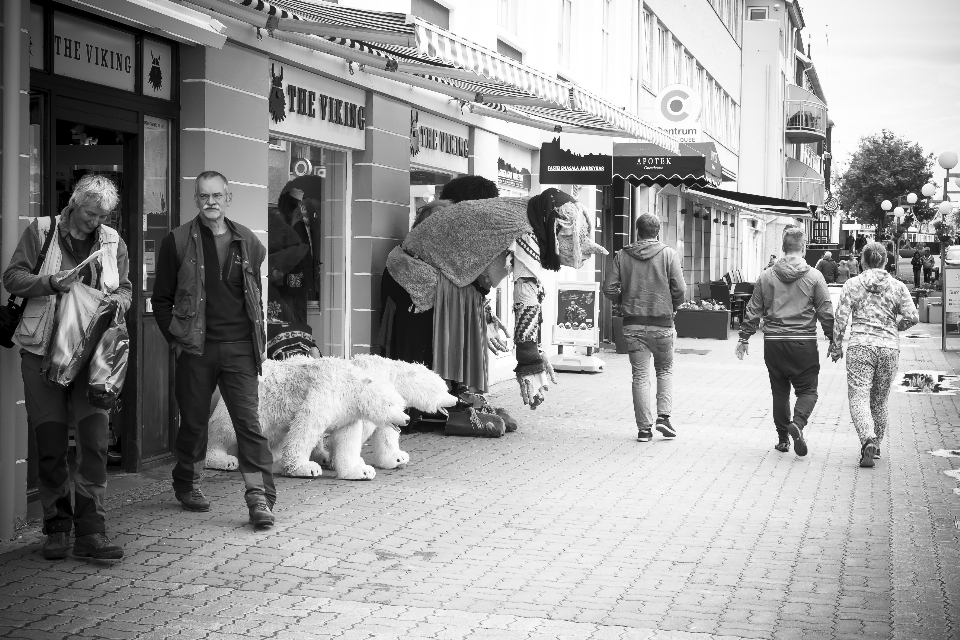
{"x": 787, "y": 302}
{"x": 646, "y": 279}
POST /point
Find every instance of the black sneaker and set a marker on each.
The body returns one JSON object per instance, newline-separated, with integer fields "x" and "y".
{"x": 799, "y": 444}
{"x": 664, "y": 427}
{"x": 783, "y": 446}
{"x": 96, "y": 546}
{"x": 56, "y": 545}
{"x": 261, "y": 515}
{"x": 644, "y": 434}
{"x": 867, "y": 453}
{"x": 193, "y": 500}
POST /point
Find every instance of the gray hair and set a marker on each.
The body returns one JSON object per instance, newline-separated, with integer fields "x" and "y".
{"x": 827, "y": 254}
{"x": 874, "y": 256}
{"x": 209, "y": 175}
{"x": 648, "y": 226}
{"x": 794, "y": 239}
{"x": 95, "y": 187}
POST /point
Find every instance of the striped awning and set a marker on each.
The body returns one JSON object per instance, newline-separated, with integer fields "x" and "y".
{"x": 431, "y": 57}
{"x": 761, "y": 204}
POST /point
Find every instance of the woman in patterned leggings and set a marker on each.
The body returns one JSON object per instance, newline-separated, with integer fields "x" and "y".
{"x": 880, "y": 306}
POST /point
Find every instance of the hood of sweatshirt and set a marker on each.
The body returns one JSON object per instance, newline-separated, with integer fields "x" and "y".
{"x": 644, "y": 249}
{"x": 790, "y": 269}
{"x": 875, "y": 280}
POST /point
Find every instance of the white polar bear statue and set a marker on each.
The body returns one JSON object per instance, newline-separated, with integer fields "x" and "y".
{"x": 419, "y": 387}
{"x": 301, "y": 400}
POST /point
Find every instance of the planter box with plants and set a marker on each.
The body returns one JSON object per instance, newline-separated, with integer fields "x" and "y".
{"x": 705, "y": 320}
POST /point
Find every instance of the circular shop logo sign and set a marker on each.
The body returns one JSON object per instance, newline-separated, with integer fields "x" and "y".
{"x": 678, "y": 104}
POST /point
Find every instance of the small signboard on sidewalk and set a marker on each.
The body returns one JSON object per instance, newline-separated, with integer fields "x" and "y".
{"x": 578, "y": 307}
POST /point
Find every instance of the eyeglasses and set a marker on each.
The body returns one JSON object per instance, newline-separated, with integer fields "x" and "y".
{"x": 217, "y": 197}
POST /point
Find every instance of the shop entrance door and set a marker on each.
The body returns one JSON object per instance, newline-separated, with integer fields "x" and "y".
{"x": 87, "y": 143}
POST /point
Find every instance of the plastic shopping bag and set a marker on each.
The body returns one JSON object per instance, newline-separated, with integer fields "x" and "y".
{"x": 108, "y": 364}
{"x": 82, "y": 315}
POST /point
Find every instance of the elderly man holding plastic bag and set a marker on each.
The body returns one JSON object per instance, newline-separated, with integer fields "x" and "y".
{"x": 44, "y": 273}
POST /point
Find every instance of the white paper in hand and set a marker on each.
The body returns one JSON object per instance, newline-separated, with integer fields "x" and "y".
{"x": 90, "y": 258}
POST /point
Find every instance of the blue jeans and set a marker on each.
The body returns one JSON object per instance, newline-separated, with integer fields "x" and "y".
{"x": 644, "y": 341}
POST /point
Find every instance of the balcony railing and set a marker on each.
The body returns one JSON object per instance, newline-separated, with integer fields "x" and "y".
{"x": 809, "y": 190}
{"x": 806, "y": 121}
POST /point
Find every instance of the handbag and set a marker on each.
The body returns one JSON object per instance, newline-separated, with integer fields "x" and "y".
{"x": 11, "y": 313}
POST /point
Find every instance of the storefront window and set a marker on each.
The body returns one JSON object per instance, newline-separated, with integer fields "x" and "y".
{"x": 307, "y": 262}
{"x": 156, "y": 193}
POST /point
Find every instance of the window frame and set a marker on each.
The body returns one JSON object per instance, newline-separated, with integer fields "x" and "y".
{"x": 565, "y": 22}
{"x": 749, "y": 13}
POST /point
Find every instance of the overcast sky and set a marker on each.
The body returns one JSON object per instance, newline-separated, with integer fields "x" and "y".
{"x": 889, "y": 64}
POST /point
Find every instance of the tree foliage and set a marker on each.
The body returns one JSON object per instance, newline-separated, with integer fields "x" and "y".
{"x": 884, "y": 167}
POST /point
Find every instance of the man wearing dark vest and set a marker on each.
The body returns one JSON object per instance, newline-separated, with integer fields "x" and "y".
{"x": 221, "y": 344}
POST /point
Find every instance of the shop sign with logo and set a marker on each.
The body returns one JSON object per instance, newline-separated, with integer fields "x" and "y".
{"x": 513, "y": 166}
{"x": 309, "y": 106}
{"x": 821, "y": 232}
{"x": 157, "y": 74}
{"x": 439, "y": 143}
{"x": 678, "y": 109}
{"x": 89, "y": 51}
{"x": 561, "y": 164}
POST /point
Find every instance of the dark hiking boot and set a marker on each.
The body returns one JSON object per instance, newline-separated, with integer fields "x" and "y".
{"x": 96, "y": 546}
{"x": 261, "y": 515}
{"x": 56, "y": 545}
{"x": 193, "y": 500}
{"x": 867, "y": 453}
{"x": 644, "y": 434}
{"x": 799, "y": 444}
{"x": 664, "y": 427}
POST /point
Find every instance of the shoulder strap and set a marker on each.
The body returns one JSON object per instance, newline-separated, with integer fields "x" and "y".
{"x": 48, "y": 226}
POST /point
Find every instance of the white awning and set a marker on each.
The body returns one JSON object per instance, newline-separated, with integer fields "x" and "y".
{"x": 162, "y": 17}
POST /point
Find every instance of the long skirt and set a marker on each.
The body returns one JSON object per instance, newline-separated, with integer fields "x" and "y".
{"x": 404, "y": 335}
{"x": 459, "y": 335}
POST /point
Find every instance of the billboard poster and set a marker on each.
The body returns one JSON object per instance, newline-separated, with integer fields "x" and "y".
{"x": 578, "y": 308}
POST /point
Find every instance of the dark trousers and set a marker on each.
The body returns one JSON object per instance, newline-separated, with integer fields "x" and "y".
{"x": 231, "y": 366}
{"x": 793, "y": 363}
{"x": 916, "y": 276}
{"x": 49, "y": 416}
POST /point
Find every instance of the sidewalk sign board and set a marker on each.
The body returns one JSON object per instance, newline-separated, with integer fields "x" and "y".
{"x": 951, "y": 296}
{"x": 576, "y": 325}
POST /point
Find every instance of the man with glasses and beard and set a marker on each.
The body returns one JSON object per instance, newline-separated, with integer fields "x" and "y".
{"x": 208, "y": 306}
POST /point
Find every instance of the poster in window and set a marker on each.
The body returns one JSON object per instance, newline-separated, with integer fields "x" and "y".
{"x": 578, "y": 306}
{"x": 157, "y": 69}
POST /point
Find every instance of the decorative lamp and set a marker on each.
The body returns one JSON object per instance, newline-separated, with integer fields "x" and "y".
{"x": 929, "y": 190}
{"x": 945, "y": 208}
{"x": 911, "y": 198}
{"x": 948, "y": 160}
{"x": 886, "y": 205}
{"x": 898, "y": 212}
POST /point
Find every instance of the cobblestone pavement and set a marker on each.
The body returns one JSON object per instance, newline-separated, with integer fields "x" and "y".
{"x": 568, "y": 528}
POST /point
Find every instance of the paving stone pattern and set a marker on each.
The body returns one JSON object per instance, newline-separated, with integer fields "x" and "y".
{"x": 568, "y": 528}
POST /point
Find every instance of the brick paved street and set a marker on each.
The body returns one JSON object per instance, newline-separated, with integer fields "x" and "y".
{"x": 567, "y": 529}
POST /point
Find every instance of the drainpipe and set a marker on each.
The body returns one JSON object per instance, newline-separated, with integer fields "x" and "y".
{"x": 9, "y": 374}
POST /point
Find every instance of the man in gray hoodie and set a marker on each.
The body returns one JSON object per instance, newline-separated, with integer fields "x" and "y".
{"x": 787, "y": 301}
{"x": 646, "y": 280}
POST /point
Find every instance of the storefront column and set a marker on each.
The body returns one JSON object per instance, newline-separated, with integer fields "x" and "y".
{"x": 15, "y": 176}
{"x": 484, "y": 151}
{"x": 381, "y": 212}
{"x": 622, "y": 212}
{"x": 223, "y": 100}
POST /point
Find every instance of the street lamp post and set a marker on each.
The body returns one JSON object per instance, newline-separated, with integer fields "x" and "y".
{"x": 948, "y": 160}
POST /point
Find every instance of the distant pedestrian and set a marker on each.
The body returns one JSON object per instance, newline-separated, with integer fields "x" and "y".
{"x": 828, "y": 268}
{"x": 930, "y": 271}
{"x": 891, "y": 261}
{"x": 843, "y": 271}
{"x": 879, "y": 306}
{"x": 787, "y": 302}
{"x": 211, "y": 267}
{"x": 646, "y": 280}
{"x": 79, "y": 231}
{"x": 917, "y": 262}
{"x": 854, "y": 265}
